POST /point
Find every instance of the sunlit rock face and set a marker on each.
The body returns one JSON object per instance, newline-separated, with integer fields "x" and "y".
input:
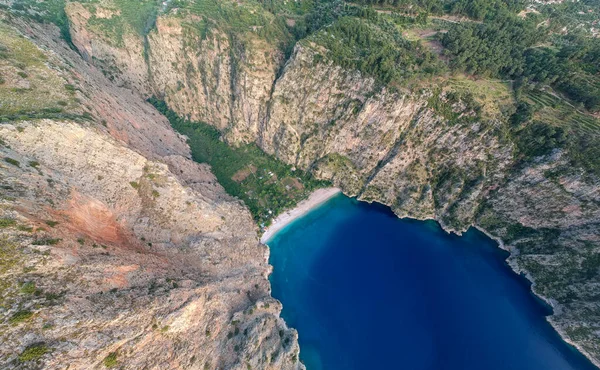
{"x": 118, "y": 248}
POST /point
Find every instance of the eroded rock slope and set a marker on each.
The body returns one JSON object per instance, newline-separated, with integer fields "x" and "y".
{"x": 116, "y": 248}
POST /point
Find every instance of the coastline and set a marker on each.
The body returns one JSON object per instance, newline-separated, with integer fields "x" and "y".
{"x": 315, "y": 199}
{"x": 517, "y": 270}
{"x": 320, "y": 196}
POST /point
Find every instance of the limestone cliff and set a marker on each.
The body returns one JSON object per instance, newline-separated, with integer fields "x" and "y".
{"x": 115, "y": 248}
{"x": 198, "y": 65}
{"x": 440, "y": 149}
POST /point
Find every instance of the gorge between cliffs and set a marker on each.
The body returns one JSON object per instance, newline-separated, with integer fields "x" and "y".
{"x": 124, "y": 244}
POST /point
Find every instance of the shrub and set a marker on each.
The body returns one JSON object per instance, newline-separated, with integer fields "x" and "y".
{"x": 46, "y": 241}
{"x": 110, "y": 361}
{"x": 51, "y": 223}
{"x": 134, "y": 185}
{"x": 33, "y": 352}
{"x": 14, "y": 162}
{"x": 6, "y": 222}
{"x": 20, "y": 316}
{"x": 28, "y": 287}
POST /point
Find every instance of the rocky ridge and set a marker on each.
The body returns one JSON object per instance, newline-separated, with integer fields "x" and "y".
{"x": 116, "y": 248}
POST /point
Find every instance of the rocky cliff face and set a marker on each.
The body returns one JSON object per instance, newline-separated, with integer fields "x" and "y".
{"x": 386, "y": 146}
{"x": 117, "y": 249}
{"x": 433, "y": 151}
{"x": 200, "y": 69}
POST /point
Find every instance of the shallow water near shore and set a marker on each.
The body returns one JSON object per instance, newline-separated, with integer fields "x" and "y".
{"x": 366, "y": 290}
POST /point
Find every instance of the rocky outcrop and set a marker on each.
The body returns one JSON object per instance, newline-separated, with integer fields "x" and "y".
{"x": 212, "y": 76}
{"x": 119, "y": 250}
{"x": 202, "y": 71}
{"x": 387, "y": 146}
{"x": 121, "y": 58}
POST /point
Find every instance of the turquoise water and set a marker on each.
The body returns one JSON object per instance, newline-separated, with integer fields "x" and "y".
{"x": 366, "y": 290}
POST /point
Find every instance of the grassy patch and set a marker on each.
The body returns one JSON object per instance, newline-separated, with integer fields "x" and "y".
{"x": 20, "y": 316}
{"x": 31, "y": 89}
{"x": 47, "y": 241}
{"x": 14, "y": 162}
{"x": 129, "y": 17}
{"x": 33, "y": 352}
{"x": 51, "y": 223}
{"x": 7, "y": 222}
{"x": 28, "y": 288}
{"x": 494, "y": 96}
{"x": 110, "y": 361}
{"x": 239, "y": 18}
{"x": 268, "y": 191}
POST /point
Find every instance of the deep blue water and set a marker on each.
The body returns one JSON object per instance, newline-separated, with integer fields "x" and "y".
{"x": 366, "y": 290}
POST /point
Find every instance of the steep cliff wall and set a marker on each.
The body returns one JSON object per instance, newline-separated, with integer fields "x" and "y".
{"x": 214, "y": 69}
{"x": 388, "y": 146}
{"x": 427, "y": 154}
{"x": 116, "y": 248}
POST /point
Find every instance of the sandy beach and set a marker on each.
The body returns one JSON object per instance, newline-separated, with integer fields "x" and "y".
{"x": 317, "y": 198}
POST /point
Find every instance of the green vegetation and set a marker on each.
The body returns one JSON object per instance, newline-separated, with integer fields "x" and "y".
{"x": 572, "y": 66}
{"x": 34, "y": 352}
{"x": 7, "y": 222}
{"x": 265, "y": 184}
{"x": 20, "y": 316}
{"x": 476, "y": 9}
{"x": 14, "y": 162}
{"x": 375, "y": 46}
{"x": 28, "y": 288}
{"x": 493, "y": 48}
{"x": 21, "y": 100}
{"x": 134, "y": 185}
{"x": 236, "y": 18}
{"x": 110, "y": 361}
{"x": 47, "y": 241}
{"x": 51, "y": 223}
{"x": 543, "y": 122}
{"x": 47, "y": 11}
{"x": 135, "y": 17}
{"x": 514, "y": 47}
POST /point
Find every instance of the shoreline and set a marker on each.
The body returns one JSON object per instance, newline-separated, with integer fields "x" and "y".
{"x": 315, "y": 199}
{"x": 322, "y": 195}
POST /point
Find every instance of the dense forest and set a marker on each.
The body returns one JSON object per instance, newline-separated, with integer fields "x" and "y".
{"x": 508, "y": 46}
{"x": 494, "y": 38}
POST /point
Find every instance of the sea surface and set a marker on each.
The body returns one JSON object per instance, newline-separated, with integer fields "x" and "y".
{"x": 366, "y": 290}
